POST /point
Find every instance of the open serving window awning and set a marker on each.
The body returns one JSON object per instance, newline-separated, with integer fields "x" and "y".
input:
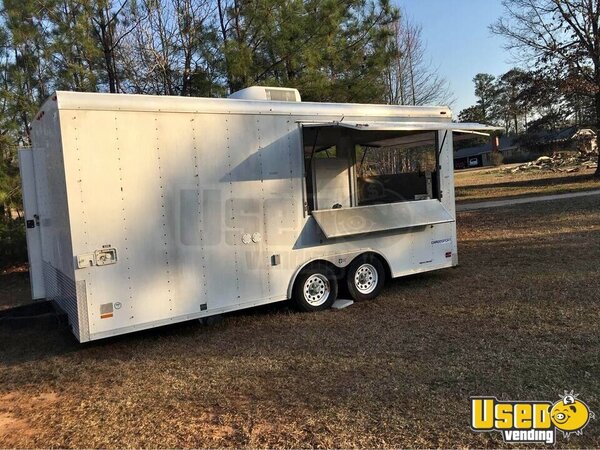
{"x": 375, "y": 218}
{"x": 384, "y": 134}
{"x": 465, "y": 127}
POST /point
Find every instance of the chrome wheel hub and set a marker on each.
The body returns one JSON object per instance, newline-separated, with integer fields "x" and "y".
{"x": 316, "y": 289}
{"x": 365, "y": 279}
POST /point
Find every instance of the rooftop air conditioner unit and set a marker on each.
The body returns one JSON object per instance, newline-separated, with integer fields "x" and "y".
{"x": 268, "y": 93}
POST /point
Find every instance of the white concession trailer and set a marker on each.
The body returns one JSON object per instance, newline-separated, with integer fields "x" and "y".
{"x": 148, "y": 210}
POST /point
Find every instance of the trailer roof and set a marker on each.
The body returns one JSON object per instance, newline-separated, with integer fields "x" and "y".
{"x": 66, "y": 100}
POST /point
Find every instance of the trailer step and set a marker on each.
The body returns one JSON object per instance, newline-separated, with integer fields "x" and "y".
{"x": 341, "y": 304}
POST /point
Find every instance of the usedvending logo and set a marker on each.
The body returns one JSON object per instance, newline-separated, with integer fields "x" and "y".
{"x": 528, "y": 421}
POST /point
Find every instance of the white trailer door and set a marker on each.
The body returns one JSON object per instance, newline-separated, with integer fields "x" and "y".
{"x": 32, "y": 232}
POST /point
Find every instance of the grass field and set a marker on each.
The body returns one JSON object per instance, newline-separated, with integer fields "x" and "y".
{"x": 517, "y": 319}
{"x": 488, "y": 184}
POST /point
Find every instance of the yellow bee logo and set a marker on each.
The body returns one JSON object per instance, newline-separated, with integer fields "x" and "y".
{"x": 570, "y": 415}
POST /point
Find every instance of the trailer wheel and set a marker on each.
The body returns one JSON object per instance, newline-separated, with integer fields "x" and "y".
{"x": 365, "y": 277}
{"x": 315, "y": 288}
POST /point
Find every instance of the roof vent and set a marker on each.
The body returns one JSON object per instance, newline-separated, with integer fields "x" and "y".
{"x": 272, "y": 94}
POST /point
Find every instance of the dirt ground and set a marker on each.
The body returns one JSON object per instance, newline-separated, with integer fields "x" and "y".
{"x": 488, "y": 184}
{"x": 517, "y": 319}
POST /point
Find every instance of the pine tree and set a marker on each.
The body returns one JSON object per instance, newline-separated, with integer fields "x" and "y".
{"x": 330, "y": 50}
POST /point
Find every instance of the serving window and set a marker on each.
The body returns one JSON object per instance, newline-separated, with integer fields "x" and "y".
{"x": 378, "y": 176}
{"x": 396, "y": 174}
{"x": 346, "y": 167}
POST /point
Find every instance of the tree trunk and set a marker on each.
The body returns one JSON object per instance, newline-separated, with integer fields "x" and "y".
{"x": 597, "y": 104}
{"x": 106, "y": 44}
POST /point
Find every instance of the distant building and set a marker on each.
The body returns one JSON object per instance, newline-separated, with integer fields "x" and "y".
{"x": 481, "y": 155}
{"x": 527, "y": 147}
{"x": 566, "y": 139}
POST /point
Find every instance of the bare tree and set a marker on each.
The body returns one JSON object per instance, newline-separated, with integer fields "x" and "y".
{"x": 561, "y": 37}
{"x": 411, "y": 78}
{"x": 166, "y": 49}
{"x": 106, "y": 16}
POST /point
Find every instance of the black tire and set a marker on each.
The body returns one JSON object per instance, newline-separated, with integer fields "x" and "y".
{"x": 310, "y": 297}
{"x": 368, "y": 284}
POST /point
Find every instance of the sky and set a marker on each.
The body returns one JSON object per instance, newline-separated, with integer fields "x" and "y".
{"x": 459, "y": 42}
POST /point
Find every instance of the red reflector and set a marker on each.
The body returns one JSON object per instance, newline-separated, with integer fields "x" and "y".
{"x": 448, "y": 254}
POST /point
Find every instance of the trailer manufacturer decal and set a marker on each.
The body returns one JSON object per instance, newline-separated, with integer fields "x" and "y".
{"x": 530, "y": 421}
{"x": 441, "y": 241}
